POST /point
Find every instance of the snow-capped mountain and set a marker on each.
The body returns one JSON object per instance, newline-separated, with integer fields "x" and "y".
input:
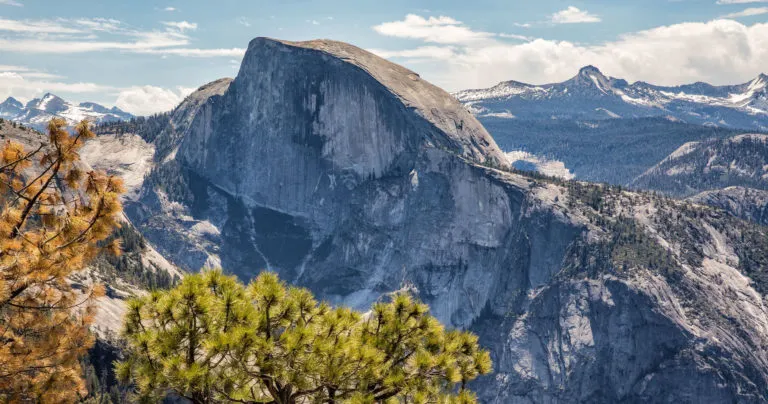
{"x": 11, "y": 107}
{"x": 592, "y": 95}
{"x": 37, "y": 112}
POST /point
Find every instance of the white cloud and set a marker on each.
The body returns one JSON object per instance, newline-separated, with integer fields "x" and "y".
{"x": 99, "y": 24}
{"x": 37, "y": 27}
{"x": 573, "y": 15}
{"x": 11, "y": 3}
{"x": 181, "y": 25}
{"x": 170, "y": 9}
{"x": 67, "y": 47}
{"x": 748, "y": 12}
{"x": 84, "y": 35}
{"x": 12, "y": 68}
{"x": 515, "y": 36}
{"x": 442, "y": 29}
{"x": 147, "y": 100}
{"x": 40, "y": 75}
{"x": 28, "y": 73}
{"x": 424, "y": 52}
{"x": 24, "y": 85}
{"x": 194, "y": 52}
{"x": 720, "y": 52}
{"x": 243, "y": 21}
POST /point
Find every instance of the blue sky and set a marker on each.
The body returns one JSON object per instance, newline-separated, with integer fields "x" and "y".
{"x": 144, "y": 56}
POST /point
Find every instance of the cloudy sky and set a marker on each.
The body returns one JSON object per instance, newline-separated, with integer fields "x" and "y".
{"x": 144, "y": 56}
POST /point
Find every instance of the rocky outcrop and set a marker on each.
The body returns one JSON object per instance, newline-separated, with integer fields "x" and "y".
{"x": 348, "y": 165}
{"x": 745, "y": 203}
{"x": 352, "y": 176}
{"x": 644, "y": 308}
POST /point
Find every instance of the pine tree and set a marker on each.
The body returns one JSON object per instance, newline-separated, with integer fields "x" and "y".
{"x": 178, "y": 338}
{"x": 422, "y": 362}
{"x": 52, "y": 216}
{"x": 212, "y": 339}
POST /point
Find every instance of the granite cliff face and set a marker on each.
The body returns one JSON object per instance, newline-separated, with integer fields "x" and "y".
{"x": 746, "y": 203}
{"x": 352, "y": 176}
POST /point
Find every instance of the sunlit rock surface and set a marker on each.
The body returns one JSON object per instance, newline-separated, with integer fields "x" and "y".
{"x": 352, "y": 176}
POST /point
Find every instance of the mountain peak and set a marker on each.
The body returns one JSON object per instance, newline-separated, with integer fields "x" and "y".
{"x": 761, "y": 79}
{"x": 10, "y": 101}
{"x": 10, "y": 108}
{"x": 590, "y": 73}
{"x": 759, "y": 84}
{"x": 50, "y": 103}
{"x": 591, "y": 78}
{"x": 51, "y": 96}
{"x": 37, "y": 112}
{"x": 472, "y": 139}
{"x": 590, "y": 69}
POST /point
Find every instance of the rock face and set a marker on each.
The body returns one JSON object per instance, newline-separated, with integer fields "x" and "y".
{"x": 746, "y": 203}
{"x": 352, "y": 176}
{"x": 695, "y": 167}
{"x": 341, "y": 148}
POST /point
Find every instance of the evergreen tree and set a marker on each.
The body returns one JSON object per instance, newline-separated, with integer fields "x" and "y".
{"x": 52, "y": 217}
{"x": 212, "y": 339}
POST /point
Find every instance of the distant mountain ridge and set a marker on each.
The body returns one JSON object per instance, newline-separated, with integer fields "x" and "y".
{"x": 37, "y": 112}
{"x": 592, "y": 95}
{"x": 739, "y": 161}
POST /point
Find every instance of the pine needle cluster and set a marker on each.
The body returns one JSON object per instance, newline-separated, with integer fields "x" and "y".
{"x": 53, "y": 214}
{"x": 212, "y": 339}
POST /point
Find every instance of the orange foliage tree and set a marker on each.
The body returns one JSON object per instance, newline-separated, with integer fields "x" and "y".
{"x": 53, "y": 214}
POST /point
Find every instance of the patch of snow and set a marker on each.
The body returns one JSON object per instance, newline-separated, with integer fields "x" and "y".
{"x": 501, "y": 90}
{"x": 697, "y": 98}
{"x": 639, "y": 101}
{"x": 597, "y": 83}
{"x": 77, "y": 113}
{"x": 506, "y": 115}
{"x": 553, "y": 168}
{"x": 44, "y": 102}
{"x": 608, "y": 112}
